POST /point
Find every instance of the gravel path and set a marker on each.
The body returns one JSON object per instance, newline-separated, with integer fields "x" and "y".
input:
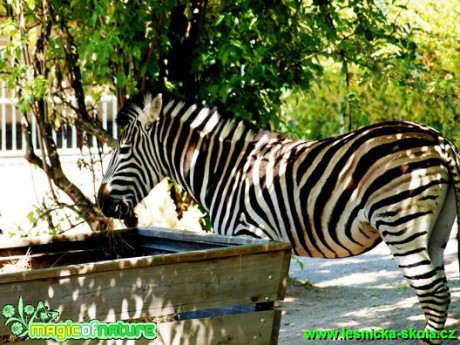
{"x": 362, "y": 292}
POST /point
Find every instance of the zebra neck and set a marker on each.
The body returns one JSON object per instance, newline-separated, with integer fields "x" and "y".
{"x": 203, "y": 149}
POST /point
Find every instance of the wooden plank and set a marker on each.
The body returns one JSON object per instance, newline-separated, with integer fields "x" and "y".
{"x": 237, "y": 329}
{"x": 140, "y": 242}
{"x": 241, "y": 329}
{"x": 147, "y": 261}
{"x": 137, "y": 291}
{"x": 285, "y": 263}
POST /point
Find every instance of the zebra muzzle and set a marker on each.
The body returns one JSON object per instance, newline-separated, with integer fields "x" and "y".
{"x": 113, "y": 207}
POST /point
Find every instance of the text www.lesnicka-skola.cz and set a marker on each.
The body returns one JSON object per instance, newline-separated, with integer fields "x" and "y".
{"x": 377, "y": 334}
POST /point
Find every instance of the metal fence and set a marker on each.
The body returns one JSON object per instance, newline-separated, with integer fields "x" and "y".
{"x": 12, "y": 141}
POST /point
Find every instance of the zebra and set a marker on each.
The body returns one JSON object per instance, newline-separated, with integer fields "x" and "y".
{"x": 398, "y": 182}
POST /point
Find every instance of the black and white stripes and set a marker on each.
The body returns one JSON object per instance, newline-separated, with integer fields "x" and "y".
{"x": 332, "y": 198}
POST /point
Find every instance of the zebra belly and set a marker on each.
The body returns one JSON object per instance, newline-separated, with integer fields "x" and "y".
{"x": 363, "y": 237}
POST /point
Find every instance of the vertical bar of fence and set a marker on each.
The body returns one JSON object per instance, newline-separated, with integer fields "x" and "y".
{"x": 34, "y": 132}
{"x": 65, "y": 127}
{"x": 3, "y": 108}
{"x": 3, "y": 124}
{"x": 14, "y": 127}
{"x": 94, "y": 139}
{"x": 104, "y": 113}
{"x": 14, "y": 120}
{"x": 114, "y": 114}
{"x": 74, "y": 137}
{"x": 55, "y": 137}
{"x": 23, "y": 136}
{"x": 74, "y": 130}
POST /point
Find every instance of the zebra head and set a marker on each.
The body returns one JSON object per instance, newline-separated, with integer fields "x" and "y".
{"x": 132, "y": 171}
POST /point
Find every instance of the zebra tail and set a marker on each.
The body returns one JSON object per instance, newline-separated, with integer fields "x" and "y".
{"x": 457, "y": 193}
{"x": 453, "y": 159}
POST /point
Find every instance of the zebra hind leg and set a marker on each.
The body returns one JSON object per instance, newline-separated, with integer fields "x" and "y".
{"x": 441, "y": 232}
{"x": 419, "y": 254}
{"x": 428, "y": 284}
{"x": 440, "y": 300}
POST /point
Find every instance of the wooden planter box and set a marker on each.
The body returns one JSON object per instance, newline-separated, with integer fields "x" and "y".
{"x": 213, "y": 289}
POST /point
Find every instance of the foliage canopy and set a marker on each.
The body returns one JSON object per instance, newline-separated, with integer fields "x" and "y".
{"x": 311, "y": 68}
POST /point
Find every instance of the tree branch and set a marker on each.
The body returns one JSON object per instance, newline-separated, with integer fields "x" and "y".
{"x": 100, "y": 133}
{"x": 152, "y": 46}
{"x": 30, "y": 155}
{"x": 52, "y": 164}
{"x": 313, "y": 54}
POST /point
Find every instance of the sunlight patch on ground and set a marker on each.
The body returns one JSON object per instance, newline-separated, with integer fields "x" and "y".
{"x": 357, "y": 279}
{"x": 406, "y": 303}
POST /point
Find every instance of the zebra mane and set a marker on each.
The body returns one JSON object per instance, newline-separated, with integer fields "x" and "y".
{"x": 135, "y": 105}
{"x": 225, "y": 116}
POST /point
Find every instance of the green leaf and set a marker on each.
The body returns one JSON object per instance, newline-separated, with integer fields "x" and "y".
{"x": 31, "y": 216}
{"x": 121, "y": 79}
{"x": 224, "y": 92}
{"x": 31, "y": 4}
{"x": 21, "y": 307}
{"x": 299, "y": 262}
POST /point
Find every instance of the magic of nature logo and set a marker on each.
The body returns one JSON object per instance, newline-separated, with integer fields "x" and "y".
{"x": 39, "y": 322}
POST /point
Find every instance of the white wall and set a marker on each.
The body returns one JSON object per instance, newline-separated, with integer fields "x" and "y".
{"x": 22, "y": 187}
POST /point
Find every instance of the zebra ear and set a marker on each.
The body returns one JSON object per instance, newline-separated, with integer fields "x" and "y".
{"x": 152, "y": 110}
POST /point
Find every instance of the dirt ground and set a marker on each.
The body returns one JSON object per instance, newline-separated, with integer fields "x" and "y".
{"x": 362, "y": 292}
